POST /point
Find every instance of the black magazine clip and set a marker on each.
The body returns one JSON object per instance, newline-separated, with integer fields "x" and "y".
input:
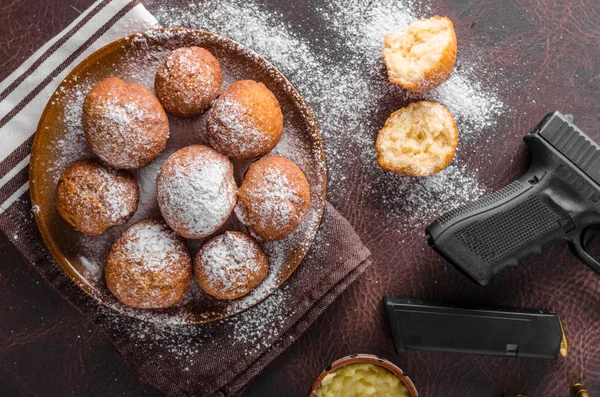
{"x": 425, "y": 326}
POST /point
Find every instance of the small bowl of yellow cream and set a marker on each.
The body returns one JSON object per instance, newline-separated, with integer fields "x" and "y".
{"x": 363, "y": 375}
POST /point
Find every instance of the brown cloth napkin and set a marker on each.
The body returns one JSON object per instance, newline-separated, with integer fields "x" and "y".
{"x": 215, "y": 359}
{"x": 219, "y": 358}
{"x": 230, "y": 353}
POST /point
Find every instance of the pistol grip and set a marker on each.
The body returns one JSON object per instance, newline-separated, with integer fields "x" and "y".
{"x": 496, "y": 231}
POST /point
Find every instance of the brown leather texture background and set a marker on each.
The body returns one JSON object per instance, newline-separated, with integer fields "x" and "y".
{"x": 47, "y": 348}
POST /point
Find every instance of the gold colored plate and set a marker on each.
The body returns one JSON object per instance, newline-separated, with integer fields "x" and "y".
{"x": 59, "y": 140}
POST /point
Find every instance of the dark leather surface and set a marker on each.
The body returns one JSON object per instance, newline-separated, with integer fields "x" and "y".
{"x": 553, "y": 51}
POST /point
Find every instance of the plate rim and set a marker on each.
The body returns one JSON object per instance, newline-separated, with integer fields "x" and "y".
{"x": 37, "y": 143}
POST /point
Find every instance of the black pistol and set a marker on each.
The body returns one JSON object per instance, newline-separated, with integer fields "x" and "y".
{"x": 557, "y": 198}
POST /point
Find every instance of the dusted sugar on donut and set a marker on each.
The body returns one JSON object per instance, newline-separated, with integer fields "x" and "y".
{"x": 149, "y": 267}
{"x": 187, "y": 81}
{"x": 419, "y": 139}
{"x": 230, "y": 265}
{"x": 92, "y": 197}
{"x": 196, "y": 191}
{"x": 245, "y": 121}
{"x": 273, "y": 199}
{"x": 125, "y": 125}
{"x": 423, "y": 55}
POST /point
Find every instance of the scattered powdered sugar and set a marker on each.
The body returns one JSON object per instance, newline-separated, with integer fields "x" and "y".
{"x": 249, "y": 332}
{"x": 474, "y": 108}
{"x": 92, "y": 269}
{"x": 366, "y": 24}
{"x": 259, "y": 327}
{"x": 426, "y": 197}
{"x": 344, "y": 80}
{"x": 72, "y": 144}
{"x": 196, "y": 192}
{"x": 181, "y": 342}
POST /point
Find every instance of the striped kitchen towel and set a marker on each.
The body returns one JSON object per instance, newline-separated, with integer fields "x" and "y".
{"x": 24, "y": 94}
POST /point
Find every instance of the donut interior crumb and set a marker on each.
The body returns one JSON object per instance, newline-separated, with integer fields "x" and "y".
{"x": 419, "y": 139}
{"x": 426, "y": 50}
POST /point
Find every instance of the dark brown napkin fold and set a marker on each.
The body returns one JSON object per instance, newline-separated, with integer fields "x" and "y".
{"x": 219, "y": 358}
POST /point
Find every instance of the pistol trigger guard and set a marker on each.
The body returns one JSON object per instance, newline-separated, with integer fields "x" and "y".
{"x": 588, "y": 233}
{"x": 575, "y": 242}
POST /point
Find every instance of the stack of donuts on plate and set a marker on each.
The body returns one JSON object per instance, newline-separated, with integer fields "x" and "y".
{"x": 126, "y": 127}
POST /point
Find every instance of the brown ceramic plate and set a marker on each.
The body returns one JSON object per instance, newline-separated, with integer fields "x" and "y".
{"x": 59, "y": 140}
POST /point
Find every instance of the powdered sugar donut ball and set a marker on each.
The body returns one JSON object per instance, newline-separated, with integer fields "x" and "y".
{"x": 273, "y": 199}
{"x": 245, "y": 120}
{"x": 230, "y": 265}
{"x": 187, "y": 81}
{"x": 92, "y": 197}
{"x": 149, "y": 267}
{"x": 196, "y": 191}
{"x": 125, "y": 125}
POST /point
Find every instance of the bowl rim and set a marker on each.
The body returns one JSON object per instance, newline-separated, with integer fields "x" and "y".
{"x": 365, "y": 358}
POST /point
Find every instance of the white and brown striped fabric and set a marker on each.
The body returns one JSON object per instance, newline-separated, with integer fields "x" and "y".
{"x": 221, "y": 368}
{"x": 24, "y": 94}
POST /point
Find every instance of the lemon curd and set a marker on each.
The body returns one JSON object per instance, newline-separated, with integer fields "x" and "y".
{"x": 361, "y": 380}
